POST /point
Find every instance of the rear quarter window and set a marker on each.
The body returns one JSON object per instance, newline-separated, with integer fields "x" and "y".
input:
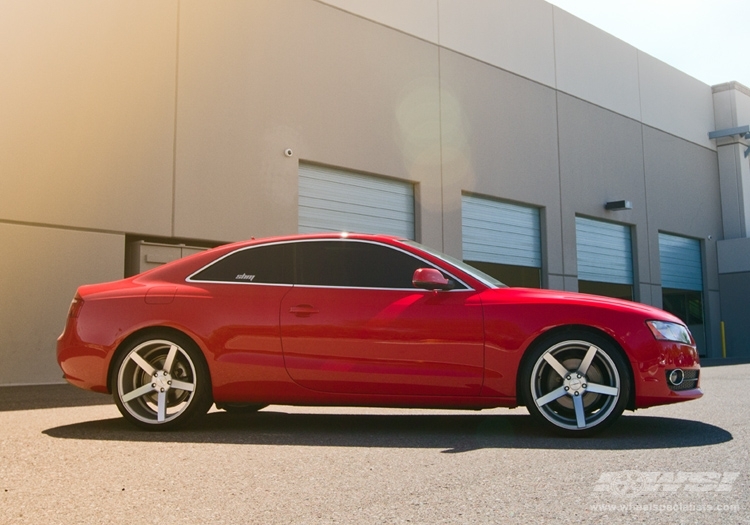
{"x": 262, "y": 264}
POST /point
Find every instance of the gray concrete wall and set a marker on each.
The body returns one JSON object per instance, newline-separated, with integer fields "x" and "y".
{"x": 87, "y": 102}
{"x": 732, "y": 110}
{"x": 499, "y": 138}
{"x": 540, "y": 42}
{"x": 735, "y": 289}
{"x": 170, "y": 119}
{"x": 682, "y": 187}
{"x": 39, "y": 272}
{"x": 601, "y": 160}
{"x": 734, "y": 255}
{"x": 256, "y": 78}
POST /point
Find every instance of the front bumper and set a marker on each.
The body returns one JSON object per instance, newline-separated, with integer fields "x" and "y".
{"x": 652, "y": 386}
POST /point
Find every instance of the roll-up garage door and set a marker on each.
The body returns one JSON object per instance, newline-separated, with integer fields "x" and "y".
{"x": 501, "y": 233}
{"x": 605, "y": 252}
{"x": 333, "y": 200}
{"x": 682, "y": 283}
{"x": 680, "y": 261}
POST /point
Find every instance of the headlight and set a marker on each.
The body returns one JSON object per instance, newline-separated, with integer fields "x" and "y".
{"x": 665, "y": 331}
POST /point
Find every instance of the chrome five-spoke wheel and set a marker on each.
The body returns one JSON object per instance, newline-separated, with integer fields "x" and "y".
{"x": 576, "y": 386}
{"x": 161, "y": 382}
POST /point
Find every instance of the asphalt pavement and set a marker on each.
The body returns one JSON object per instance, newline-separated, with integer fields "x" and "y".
{"x": 66, "y": 456}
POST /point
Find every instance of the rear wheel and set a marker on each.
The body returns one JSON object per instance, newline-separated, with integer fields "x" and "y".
{"x": 161, "y": 382}
{"x": 576, "y": 384}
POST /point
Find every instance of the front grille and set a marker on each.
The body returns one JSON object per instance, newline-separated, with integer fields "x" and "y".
{"x": 689, "y": 382}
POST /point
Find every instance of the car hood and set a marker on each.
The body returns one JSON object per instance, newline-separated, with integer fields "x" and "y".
{"x": 556, "y": 297}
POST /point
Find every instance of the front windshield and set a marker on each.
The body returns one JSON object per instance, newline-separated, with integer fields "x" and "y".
{"x": 477, "y": 274}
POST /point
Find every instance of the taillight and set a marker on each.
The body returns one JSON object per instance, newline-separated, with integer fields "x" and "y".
{"x": 75, "y": 306}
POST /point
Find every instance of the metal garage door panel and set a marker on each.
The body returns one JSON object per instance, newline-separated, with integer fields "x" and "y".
{"x": 605, "y": 251}
{"x": 680, "y": 261}
{"x": 332, "y": 200}
{"x": 501, "y": 233}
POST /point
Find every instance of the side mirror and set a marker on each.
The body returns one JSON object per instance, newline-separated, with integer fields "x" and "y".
{"x": 430, "y": 279}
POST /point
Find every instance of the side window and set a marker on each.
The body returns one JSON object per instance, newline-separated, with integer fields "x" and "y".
{"x": 265, "y": 264}
{"x": 355, "y": 264}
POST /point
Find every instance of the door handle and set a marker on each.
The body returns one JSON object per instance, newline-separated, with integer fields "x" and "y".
{"x": 303, "y": 310}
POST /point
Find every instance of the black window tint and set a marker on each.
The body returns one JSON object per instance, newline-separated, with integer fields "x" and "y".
{"x": 264, "y": 264}
{"x": 350, "y": 263}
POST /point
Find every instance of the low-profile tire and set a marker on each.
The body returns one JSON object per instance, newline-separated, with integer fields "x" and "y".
{"x": 240, "y": 408}
{"x": 575, "y": 383}
{"x": 161, "y": 381}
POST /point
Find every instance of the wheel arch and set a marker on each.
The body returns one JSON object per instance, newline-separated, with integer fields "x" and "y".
{"x": 160, "y": 331}
{"x": 559, "y": 330}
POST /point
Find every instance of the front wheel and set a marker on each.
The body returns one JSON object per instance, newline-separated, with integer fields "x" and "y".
{"x": 161, "y": 382}
{"x": 576, "y": 384}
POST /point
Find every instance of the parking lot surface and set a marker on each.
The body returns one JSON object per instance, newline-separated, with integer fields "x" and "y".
{"x": 66, "y": 456}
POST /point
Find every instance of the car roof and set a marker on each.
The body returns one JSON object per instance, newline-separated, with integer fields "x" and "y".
{"x": 379, "y": 237}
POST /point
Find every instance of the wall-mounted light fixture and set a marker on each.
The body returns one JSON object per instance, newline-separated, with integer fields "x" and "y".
{"x": 742, "y": 132}
{"x": 618, "y": 205}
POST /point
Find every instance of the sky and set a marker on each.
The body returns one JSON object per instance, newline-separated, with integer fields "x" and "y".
{"x": 707, "y": 39}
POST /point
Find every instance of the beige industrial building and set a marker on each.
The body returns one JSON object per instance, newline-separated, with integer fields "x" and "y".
{"x": 505, "y": 132}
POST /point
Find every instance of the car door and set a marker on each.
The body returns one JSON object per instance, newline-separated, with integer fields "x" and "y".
{"x": 354, "y": 323}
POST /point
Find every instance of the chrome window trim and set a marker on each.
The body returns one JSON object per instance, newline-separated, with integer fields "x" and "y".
{"x": 189, "y": 278}
{"x": 289, "y": 285}
{"x": 331, "y": 287}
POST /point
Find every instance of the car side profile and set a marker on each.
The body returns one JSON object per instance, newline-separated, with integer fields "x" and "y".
{"x": 366, "y": 320}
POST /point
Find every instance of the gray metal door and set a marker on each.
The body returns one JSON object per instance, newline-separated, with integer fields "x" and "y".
{"x": 680, "y": 262}
{"x": 499, "y": 232}
{"x": 605, "y": 251}
{"x": 332, "y": 200}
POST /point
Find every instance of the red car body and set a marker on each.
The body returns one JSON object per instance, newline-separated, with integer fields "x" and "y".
{"x": 328, "y": 345}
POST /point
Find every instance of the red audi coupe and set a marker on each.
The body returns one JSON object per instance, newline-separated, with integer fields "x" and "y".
{"x": 366, "y": 320}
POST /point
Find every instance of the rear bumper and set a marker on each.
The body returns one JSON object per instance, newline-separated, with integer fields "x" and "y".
{"x": 83, "y": 365}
